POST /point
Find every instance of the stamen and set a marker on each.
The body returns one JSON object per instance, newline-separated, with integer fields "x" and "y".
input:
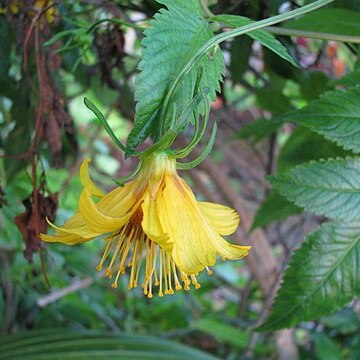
{"x": 114, "y": 284}
{"x": 139, "y": 261}
{"x": 160, "y": 269}
{"x": 194, "y": 282}
{"x": 117, "y": 248}
{"x": 109, "y": 243}
{"x": 208, "y": 270}
{"x": 168, "y": 271}
{"x": 165, "y": 272}
{"x": 177, "y": 282}
{"x": 126, "y": 247}
{"x": 161, "y": 294}
{"x": 186, "y": 281}
{"x": 133, "y": 264}
{"x": 150, "y": 295}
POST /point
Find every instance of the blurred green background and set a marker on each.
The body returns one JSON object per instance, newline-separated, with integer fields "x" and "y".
{"x": 47, "y": 67}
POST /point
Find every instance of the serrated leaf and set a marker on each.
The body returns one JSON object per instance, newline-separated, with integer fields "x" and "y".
{"x": 274, "y": 207}
{"x": 323, "y": 275}
{"x": 265, "y": 38}
{"x": 336, "y": 115}
{"x": 302, "y": 146}
{"x": 330, "y": 188}
{"x": 174, "y": 38}
{"x": 62, "y": 344}
{"x": 332, "y": 21}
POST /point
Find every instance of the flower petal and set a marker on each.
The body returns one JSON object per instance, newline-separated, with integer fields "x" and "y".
{"x": 196, "y": 243}
{"x": 97, "y": 219}
{"x": 224, "y": 219}
{"x": 68, "y": 239}
{"x": 151, "y": 224}
{"x": 86, "y": 180}
{"x": 75, "y": 225}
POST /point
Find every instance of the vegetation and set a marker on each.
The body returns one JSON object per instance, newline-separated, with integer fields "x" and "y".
{"x": 259, "y": 103}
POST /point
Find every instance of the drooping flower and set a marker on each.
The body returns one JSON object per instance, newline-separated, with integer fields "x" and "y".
{"x": 155, "y": 216}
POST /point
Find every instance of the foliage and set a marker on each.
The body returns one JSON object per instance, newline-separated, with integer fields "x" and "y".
{"x": 328, "y": 278}
{"x": 284, "y": 100}
{"x": 60, "y": 344}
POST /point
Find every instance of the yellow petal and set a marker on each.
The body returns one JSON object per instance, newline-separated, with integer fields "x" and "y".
{"x": 76, "y": 225}
{"x": 97, "y": 219}
{"x": 120, "y": 200}
{"x": 224, "y": 219}
{"x": 151, "y": 224}
{"x": 86, "y": 180}
{"x": 196, "y": 243}
{"x": 64, "y": 238}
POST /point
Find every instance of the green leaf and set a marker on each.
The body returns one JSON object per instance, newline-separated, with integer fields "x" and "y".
{"x": 326, "y": 348}
{"x": 280, "y": 67}
{"x": 348, "y": 80}
{"x": 61, "y": 34}
{"x": 355, "y": 348}
{"x": 5, "y": 48}
{"x": 19, "y": 139}
{"x": 323, "y": 275}
{"x": 62, "y": 344}
{"x": 223, "y": 332}
{"x": 304, "y": 145}
{"x": 345, "y": 322}
{"x": 332, "y": 21}
{"x": 265, "y": 38}
{"x": 273, "y": 100}
{"x": 336, "y": 115}
{"x": 274, "y": 207}
{"x": 330, "y": 188}
{"x": 313, "y": 84}
{"x": 174, "y": 38}
{"x": 91, "y": 106}
{"x": 258, "y": 129}
{"x": 240, "y": 55}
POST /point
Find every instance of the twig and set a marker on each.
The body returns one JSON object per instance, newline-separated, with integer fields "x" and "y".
{"x": 57, "y": 295}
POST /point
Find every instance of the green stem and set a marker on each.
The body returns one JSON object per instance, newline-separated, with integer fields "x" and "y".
{"x": 207, "y": 11}
{"x": 216, "y": 40}
{"x": 313, "y": 35}
{"x": 115, "y": 21}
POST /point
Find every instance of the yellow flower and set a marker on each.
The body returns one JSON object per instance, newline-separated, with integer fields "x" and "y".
{"x": 155, "y": 216}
